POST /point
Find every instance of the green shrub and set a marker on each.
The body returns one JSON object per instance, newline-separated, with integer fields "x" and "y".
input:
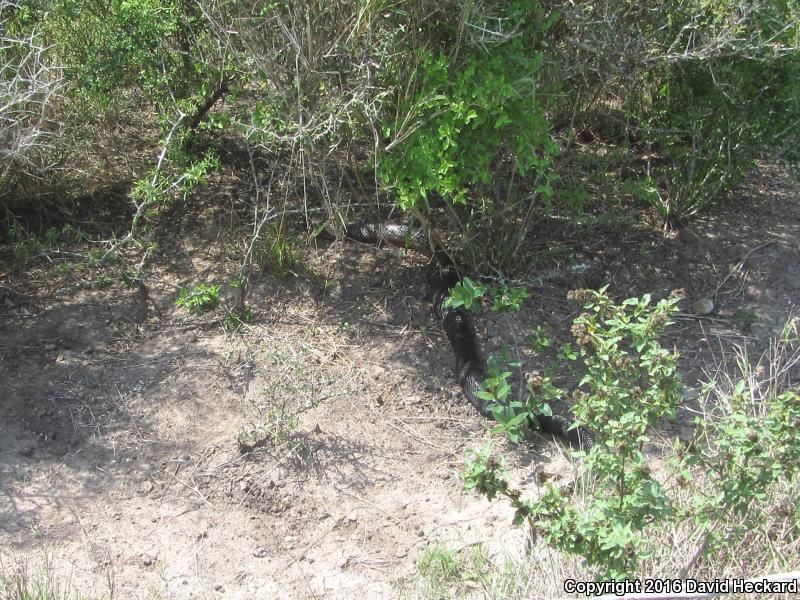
{"x": 147, "y": 45}
{"x": 201, "y": 298}
{"x": 731, "y": 479}
{"x": 630, "y": 382}
{"x": 469, "y": 113}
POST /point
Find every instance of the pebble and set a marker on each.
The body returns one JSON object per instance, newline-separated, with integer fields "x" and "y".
{"x": 144, "y": 487}
{"x": 259, "y": 552}
{"x": 703, "y": 306}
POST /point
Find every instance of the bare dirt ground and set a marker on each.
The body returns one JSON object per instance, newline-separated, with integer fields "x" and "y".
{"x": 120, "y": 413}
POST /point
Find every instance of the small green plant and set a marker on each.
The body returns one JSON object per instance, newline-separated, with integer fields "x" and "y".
{"x": 467, "y": 293}
{"x": 486, "y": 473}
{"x": 103, "y": 281}
{"x": 22, "y": 582}
{"x": 274, "y": 430}
{"x": 68, "y": 267}
{"x": 131, "y": 278}
{"x": 446, "y": 573}
{"x": 747, "y": 450}
{"x": 507, "y": 298}
{"x": 514, "y": 416}
{"x": 201, "y": 298}
{"x": 233, "y": 320}
{"x": 747, "y": 318}
{"x": 439, "y": 564}
{"x": 278, "y": 252}
{"x": 567, "y": 352}
{"x": 540, "y": 338}
{"x": 790, "y": 331}
{"x": 27, "y": 248}
{"x": 96, "y": 255}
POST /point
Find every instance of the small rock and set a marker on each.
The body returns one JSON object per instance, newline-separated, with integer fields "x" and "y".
{"x": 690, "y": 394}
{"x": 147, "y": 560}
{"x": 704, "y": 306}
{"x": 144, "y": 487}
{"x": 218, "y": 587}
{"x": 752, "y": 292}
{"x": 687, "y": 236}
{"x": 259, "y": 552}
{"x": 401, "y": 553}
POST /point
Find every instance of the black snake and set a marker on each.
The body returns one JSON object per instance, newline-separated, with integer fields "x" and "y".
{"x": 458, "y": 326}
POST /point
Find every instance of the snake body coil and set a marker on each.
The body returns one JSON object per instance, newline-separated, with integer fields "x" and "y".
{"x": 460, "y": 331}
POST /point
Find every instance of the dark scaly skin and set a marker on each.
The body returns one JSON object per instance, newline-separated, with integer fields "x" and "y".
{"x": 457, "y": 324}
{"x": 389, "y": 233}
{"x": 471, "y": 369}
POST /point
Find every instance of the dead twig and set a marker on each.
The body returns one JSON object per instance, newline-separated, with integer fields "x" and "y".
{"x": 739, "y": 265}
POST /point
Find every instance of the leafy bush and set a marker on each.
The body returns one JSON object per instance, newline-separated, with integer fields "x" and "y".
{"x": 201, "y": 298}
{"x": 730, "y": 474}
{"x": 742, "y": 453}
{"x": 630, "y": 382}
{"x": 462, "y": 117}
{"x": 467, "y": 293}
{"x": 697, "y": 90}
{"x": 148, "y": 45}
{"x": 468, "y": 117}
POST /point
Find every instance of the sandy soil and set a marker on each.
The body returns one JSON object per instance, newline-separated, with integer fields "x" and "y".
{"x": 120, "y": 460}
